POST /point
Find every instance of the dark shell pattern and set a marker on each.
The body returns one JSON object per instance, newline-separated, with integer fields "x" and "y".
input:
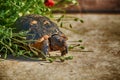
{"x": 37, "y": 26}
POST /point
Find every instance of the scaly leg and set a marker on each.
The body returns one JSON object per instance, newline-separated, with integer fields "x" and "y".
{"x": 45, "y": 47}
{"x": 64, "y": 51}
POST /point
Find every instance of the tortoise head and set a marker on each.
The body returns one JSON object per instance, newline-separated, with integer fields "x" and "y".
{"x": 58, "y": 42}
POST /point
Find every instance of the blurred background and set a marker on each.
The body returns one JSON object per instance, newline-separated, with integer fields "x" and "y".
{"x": 97, "y": 6}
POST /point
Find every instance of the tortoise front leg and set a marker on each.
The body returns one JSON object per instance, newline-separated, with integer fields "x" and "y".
{"x": 64, "y": 50}
{"x": 45, "y": 47}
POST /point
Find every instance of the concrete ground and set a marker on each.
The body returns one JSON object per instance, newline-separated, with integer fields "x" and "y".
{"x": 100, "y": 60}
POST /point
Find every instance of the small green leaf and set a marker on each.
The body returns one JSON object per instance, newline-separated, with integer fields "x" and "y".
{"x": 61, "y": 24}
{"x": 29, "y": 53}
{"x": 5, "y": 55}
{"x": 81, "y": 21}
{"x": 82, "y": 47}
{"x": 59, "y": 19}
{"x": 79, "y": 40}
{"x": 71, "y": 47}
{"x": 50, "y": 60}
{"x": 62, "y": 59}
{"x": 70, "y": 26}
{"x": 76, "y": 19}
{"x": 69, "y": 58}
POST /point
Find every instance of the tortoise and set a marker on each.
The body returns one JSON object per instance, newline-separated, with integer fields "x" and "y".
{"x": 43, "y": 33}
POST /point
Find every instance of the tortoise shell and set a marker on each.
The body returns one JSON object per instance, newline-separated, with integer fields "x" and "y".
{"x": 37, "y": 25}
{"x": 39, "y": 29}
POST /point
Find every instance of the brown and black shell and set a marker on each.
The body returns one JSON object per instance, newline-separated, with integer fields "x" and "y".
{"x": 37, "y": 25}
